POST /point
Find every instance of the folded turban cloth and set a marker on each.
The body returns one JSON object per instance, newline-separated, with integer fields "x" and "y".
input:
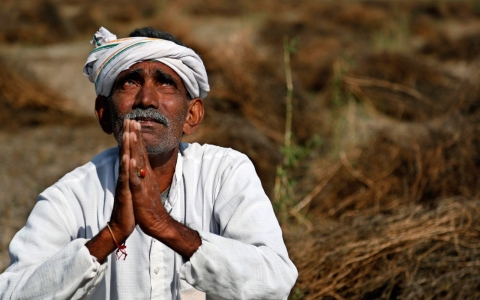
{"x": 111, "y": 56}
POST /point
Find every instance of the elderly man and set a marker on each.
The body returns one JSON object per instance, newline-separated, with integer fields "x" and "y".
{"x": 154, "y": 217}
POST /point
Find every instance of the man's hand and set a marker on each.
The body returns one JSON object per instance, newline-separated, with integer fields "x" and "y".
{"x": 137, "y": 201}
{"x": 148, "y": 208}
{"x": 122, "y": 221}
{"x": 150, "y": 213}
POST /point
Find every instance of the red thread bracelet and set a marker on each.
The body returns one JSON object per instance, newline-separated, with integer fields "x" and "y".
{"x": 120, "y": 248}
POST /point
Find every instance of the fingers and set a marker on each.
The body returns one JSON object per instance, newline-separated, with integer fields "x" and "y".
{"x": 125, "y": 156}
{"x": 137, "y": 148}
{"x": 142, "y": 152}
{"x": 122, "y": 213}
{"x": 137, "y": 162}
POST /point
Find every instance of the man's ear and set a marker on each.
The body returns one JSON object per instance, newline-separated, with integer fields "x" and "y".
{"x": 103, "y": 113}
{"x": 194, "y": 117}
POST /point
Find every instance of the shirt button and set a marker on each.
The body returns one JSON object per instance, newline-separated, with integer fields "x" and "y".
{"x": 156, "y": 270}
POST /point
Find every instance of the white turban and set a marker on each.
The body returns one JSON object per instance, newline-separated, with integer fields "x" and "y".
{"x": 111, "y": 56}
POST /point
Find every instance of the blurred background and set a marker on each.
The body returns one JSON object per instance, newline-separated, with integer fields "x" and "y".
{"x": 361, "y": 117}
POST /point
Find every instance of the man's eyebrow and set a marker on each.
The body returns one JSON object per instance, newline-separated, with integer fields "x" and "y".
{"x": 132, "y": 72}
{"x": 128, "y": 75}
{"x": 161, "y": 76}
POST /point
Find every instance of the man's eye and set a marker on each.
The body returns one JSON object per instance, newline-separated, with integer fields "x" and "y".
{"x": 129, "y": 83}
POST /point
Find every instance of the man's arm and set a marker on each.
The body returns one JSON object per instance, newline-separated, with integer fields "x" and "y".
{"x": 248, "y": 258}
{"x": 47, "y": 261}
{"x": 122, "y": 220}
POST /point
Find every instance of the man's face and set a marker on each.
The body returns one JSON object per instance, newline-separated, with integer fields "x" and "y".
{"x": 153, "y": 94}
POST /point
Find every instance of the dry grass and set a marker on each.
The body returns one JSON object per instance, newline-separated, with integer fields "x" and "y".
{"x": 390, "y": 198}
{"x": 29, "y": 103}
{"x": 418, "y": 252}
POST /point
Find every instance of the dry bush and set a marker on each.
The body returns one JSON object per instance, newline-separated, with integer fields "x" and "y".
{"x": 401, "y": 86}
{"x": 441, "y": 10}
{"x": 348, "y": 21}
{"x": 402, "y": 165}
{"x": 395, "y": 162}
{"x": 246, "y": 107}
{"x": 250, "y": 95}
{"x": 399, "y": 205}
{"x": 313, "y": 62}
{"x": 25, "y": 102}
{"x": 416, "y": 253}
{"x": 31, "y": 22}
{"x": 215, "y": 7}
{"x": 465, "y": 48}
{"x": 54, "y": 21}
{"x": 395, "y": 213}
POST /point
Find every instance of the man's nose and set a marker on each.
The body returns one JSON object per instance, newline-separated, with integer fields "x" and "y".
{"x": 147, "y": 96}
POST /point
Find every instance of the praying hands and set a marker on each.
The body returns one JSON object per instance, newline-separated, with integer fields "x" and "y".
{"x": 137, "y": 201}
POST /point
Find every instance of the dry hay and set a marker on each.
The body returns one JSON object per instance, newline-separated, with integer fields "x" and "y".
{"x": 247, "y": 107}
{"x": 396, "y": 214}
{"x": 53, "y": 21}
{"x": 416, "y": 253}
{"x": 245, "y": 112}
{"x": 466, "y": 47}
{"x": 403, "y": 164}
{"x": 215, "y": 7}
{"x": 401, "y": 86}
{"x": 400, "y": 162}
{"x": 25, "y": 102}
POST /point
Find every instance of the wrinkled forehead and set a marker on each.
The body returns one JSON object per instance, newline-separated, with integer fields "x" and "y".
{"x": 151, "y": 68}
{"x": 155, "y": 70}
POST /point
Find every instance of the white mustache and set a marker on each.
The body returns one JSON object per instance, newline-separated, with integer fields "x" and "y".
{"x": 150, "y": 113}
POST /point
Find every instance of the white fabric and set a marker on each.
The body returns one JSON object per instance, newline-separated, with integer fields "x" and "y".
{"x": 112, "y": 56}
{"x": 215, "y": 191}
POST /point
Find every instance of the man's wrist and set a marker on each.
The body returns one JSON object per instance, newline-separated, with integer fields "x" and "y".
{"x": 180, "y": 238}
{"x": 117, "y": 234}
{"x": 101, "y": 245}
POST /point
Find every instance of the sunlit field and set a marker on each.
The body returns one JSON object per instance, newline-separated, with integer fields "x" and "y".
{"x": 362, "y": 119}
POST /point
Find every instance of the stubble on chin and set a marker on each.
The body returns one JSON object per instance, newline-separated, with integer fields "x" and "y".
{"x": 167, "y": 142}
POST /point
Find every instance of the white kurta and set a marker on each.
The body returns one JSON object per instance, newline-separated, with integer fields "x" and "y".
{"x": 215, "y": 191}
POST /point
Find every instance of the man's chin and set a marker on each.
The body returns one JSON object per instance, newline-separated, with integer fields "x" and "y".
{"x": 158, "y": 149}
{"x": 154, "y": 151}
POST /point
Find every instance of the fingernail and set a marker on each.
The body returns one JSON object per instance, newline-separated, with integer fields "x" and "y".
{"x": 134, "y": 136}
{"x": 138, "y": 126}
{"x": 125, "y": 158}
{"x": 134, "y": 162}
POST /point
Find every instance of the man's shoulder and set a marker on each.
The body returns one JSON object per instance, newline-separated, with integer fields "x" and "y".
{"x": 214, "y": 164}
{"x": 102, "y": 163}
{"x": 107, "y": 156}
{"x": 201, "y": 152}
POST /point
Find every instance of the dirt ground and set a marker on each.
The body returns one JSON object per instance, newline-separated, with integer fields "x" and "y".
{"x": 381, "y": 198}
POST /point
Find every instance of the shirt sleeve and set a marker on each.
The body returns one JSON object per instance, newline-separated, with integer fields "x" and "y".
{"x": 47, "y": 261}
{"x": 248, "y": 259}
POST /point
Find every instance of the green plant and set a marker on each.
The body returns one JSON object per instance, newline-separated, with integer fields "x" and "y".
{"x": 283, "y": 190}
{"x": 284, "y": 197}
{"x": 296, "y": 294}
{"x": 394, "y": 36}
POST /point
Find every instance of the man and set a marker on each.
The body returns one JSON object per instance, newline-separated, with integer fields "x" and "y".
{"x": 152, "y": 218}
